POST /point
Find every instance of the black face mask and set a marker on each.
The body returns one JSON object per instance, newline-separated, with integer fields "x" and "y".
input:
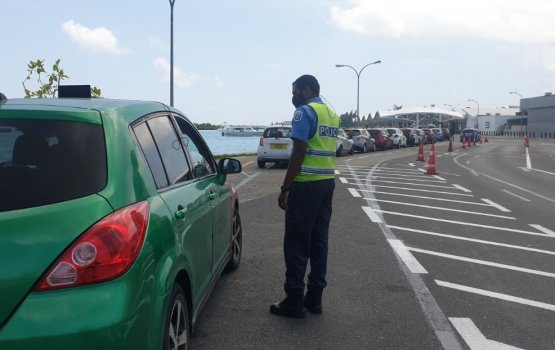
{"x": 297, "y": 101}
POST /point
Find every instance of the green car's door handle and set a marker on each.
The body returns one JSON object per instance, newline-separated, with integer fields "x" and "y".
{"x": 180, "y": 213}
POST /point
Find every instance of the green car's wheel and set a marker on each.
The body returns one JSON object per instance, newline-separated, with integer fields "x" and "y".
{"x": 177, "y": 333}
{"x": 236, "y": 242}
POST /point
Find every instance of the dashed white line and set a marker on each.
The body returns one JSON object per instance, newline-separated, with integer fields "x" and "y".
{"x": 337, "y": 172}
{"x": 343, "y": 180}
{"x": 481, "y": 241}
{"x": 462, "y": 188}
{"x": 438, "y": 177}
{"x": 483, "y": 262}
{"x": 543, "y": 229}
{"x": 474, "y": 338}
{"x": 516, "y": 195}
{"x": 409, "y": 183}
{"x": 354, "y": 192}
{"x": 372, "y": 214}
{"x": 496, "y": 295}
{"x": 498, "y": 206}
{"x": 412, "y": 264}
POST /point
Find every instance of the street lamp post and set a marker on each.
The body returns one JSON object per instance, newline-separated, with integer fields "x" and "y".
{"x": 171, "y": 51}
{"x": 521, "y": 116}
{"x": 358, "y": 73}
{"x": 478, "y": 112}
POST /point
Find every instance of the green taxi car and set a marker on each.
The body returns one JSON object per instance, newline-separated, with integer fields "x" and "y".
{"x": 115, "y": 224}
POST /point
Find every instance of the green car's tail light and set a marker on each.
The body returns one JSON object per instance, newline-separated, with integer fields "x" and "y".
{"x": 104, "y": 252}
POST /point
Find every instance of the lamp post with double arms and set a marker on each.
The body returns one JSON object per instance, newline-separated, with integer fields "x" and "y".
{"x": 521, "y": 114}
{"x": 358, "y": 73}
{"x": 477, "y": 104}
{"x": 171, "y": 51}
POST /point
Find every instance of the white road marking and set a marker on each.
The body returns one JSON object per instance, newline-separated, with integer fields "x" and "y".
{"x": 462, "y": 188}
{"x": 508, "y": 183}
{"x": 438, "y": 177}
{"x": 496, "y": 295}
{"x": 422, "y": 170}
{"x": 516, "y": 195}
{"x": 525, "y": 169}
{"x": 248, "y": 163}
{"x": 473, "y": 172}
{"x": 343, "y": 180}
{"x": 439, "y": 155}
{"x": 543, "y": 229}
{"x": 411, "y": 164}
{"x": 440, "y": 208}
{"x": 372, "y": 215}
{"x": 412, "y": 264}
{"x": 543, "y": 171}
{"x": 247, "y": 180}
{"x": 481, "y": 241}
{"x": 474, "y": 338}
{"x": 424, "y": 197}
{"x": 528, "y": 162}
{"x": 354, "y": 192}
{"x": 408, "y": 183}
{"x": 420, "y": 179}
{"x": 467, "y": 162}
{"x": 483, "y": 262}
{"x": 416, "y": 189}
{"x": 498, "y": 206}
{"x": 337, "y": 172}
{"x": 462, "y": 223}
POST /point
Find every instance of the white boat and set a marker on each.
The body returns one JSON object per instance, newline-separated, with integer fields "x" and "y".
{"x": 243, "y": 130}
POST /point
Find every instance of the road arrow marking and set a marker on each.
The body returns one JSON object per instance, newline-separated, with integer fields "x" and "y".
{"x": 544, "y": 230}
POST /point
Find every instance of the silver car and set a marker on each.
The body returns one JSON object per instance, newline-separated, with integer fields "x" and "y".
{"x": 344, "y": 144}
{"x": 362, "y": 139}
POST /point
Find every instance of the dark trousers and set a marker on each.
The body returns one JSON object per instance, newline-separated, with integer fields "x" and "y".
{"x": 306, "y": 235}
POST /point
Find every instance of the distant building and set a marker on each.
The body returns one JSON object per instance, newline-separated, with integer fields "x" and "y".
{"x": 420, "y": 116}
{"x": 540, "y": 115}
{"x": 494, "y": 120}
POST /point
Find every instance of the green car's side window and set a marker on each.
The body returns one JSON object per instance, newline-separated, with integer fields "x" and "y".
{"x": 163, "y": 151}
{"x": 202, "y": 161}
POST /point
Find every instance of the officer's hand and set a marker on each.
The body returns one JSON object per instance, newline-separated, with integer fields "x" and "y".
{"x": 282, "y": 200}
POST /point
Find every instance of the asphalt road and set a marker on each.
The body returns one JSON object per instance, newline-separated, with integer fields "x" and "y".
{"x": 463, "y": 259}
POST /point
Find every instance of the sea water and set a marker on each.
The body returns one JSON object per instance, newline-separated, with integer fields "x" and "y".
{"x": 229, "y": 144}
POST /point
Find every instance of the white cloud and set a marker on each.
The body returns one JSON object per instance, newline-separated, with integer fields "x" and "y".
{"x": 182, "y": 79}
{"x": 97, "y": 39}
{"x": 518, "y": 21}
{"x": 274, "y": 66}
{"x": 218, "y": 81}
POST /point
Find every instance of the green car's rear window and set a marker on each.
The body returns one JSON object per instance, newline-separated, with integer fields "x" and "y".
{"x": 49, "y": 161}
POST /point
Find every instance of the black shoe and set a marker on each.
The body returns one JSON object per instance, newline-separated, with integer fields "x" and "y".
{"x": 313, "y": 301}
{"x": 289, "y": 307}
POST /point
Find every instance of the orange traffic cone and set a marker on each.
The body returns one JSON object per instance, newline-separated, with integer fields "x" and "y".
{"x": 486, "y": 139}
{"x": 469, "y": 144}
{"x": 431, "y": 170}
{"x": 526, "y": 141}
{"x": 421, "y": 152}
{"x": 464, "y": 141}
{"x": 450, "y": 149}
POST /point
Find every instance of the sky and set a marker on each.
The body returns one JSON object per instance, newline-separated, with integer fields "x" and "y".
{"x": 235, "y": 60}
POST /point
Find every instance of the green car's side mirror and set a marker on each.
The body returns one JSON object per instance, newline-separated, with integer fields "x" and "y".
{"x": 228, "y": 166}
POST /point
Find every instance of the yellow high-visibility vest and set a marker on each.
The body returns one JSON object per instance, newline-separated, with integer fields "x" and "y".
{"x": 319, "y": 161}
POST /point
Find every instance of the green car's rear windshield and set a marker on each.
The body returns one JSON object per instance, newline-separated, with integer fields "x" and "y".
{"x": 49, "y": 161}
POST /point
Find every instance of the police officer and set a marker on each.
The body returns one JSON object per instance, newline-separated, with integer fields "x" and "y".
{"x": 306, "y": 196}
